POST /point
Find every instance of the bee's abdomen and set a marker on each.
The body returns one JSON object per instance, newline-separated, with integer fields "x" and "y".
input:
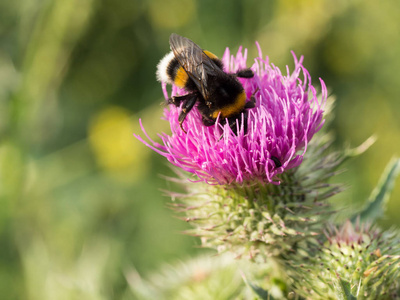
{"x": 231, "y": 109}
{"x": 179, "y": 76}
{"x": 170, "y": 71}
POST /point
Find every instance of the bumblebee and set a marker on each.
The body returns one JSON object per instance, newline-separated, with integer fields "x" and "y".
{"x": 200, "y": 72}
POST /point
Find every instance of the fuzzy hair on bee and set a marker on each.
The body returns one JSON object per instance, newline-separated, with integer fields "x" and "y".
{"x": 215, "y": 93}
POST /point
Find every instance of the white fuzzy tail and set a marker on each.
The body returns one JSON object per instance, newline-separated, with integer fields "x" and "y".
{"x": 162, "y": 68}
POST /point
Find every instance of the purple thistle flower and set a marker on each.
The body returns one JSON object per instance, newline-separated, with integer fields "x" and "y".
{"x": 287, "y": 115}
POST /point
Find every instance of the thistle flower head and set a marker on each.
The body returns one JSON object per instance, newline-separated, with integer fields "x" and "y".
{"x": 356, "y": 259}
{"x": 287, "y": 115}
{"x": 263, "y": 220}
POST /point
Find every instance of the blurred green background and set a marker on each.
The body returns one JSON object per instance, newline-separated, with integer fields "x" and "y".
{"x": 81, "y": 201}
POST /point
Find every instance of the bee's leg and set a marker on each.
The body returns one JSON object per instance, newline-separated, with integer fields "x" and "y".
{"x": 252, "y": 102}
{"x": 176, "y": 100}
{"x": 245, "y": 73}
{"x": 207, "y": 121}
{"x": 233, "y": 125}
{"x": 186, "y": 108}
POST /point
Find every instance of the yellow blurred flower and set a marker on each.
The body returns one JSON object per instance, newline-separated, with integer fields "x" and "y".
{"x": 115, "y": 148}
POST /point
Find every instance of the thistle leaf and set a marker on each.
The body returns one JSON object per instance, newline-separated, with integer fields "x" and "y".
{"x": 260, "y": 292}
{"x": 376, "y": 204}
{"x": 345, "y": 290}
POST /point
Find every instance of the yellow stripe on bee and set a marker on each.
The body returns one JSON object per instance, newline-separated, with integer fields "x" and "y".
{"x": 232, "y": 109}
{"x": 210, "y": 55}
{"x": 181, "y": 78}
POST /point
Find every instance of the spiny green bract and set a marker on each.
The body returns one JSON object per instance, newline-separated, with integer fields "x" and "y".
{"x": 359, "y": 262}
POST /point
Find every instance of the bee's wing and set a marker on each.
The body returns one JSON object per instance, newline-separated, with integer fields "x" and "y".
{"x": 195, "y": 62}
